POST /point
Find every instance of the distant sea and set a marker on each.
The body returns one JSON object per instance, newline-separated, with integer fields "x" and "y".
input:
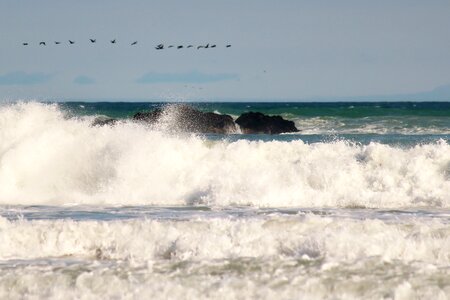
{"x": 354, "y": 205}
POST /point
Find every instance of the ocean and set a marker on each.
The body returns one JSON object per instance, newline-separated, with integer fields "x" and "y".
{"x": 356, "y": 205}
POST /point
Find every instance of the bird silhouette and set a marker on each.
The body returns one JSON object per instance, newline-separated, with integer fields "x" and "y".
{"x": 198, "y": 47}
{"x": 42, "y": 43}
{"x": 133, "y": 43}
{"x": 57, "y": 43}
{"x": 213, "y": 46}
{"x": 228, "y": 46}
{"x": 159, "y": 47}
{"x": 171, "y": 46}
{"x": 71, "y": 42}
{"x": 190, "y": 46}
{"x": 25, "y": 44}
{"x": 179, "y": 47}
{"x": 207, "y": 46}
{"x": 113, "y": 41}
{"x": 93, "y": 40}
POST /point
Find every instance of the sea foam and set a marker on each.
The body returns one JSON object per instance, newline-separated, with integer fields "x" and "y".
{"x": 305, "y": 236}
{"x": 48, "y": 158}
{"x": 310, "y": 256}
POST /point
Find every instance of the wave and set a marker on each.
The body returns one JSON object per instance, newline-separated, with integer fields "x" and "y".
{"x": 307, "y": 237}
{"x": 284, "y": 257}
{"x": 406, "y": 125}
{"x": 48, "y": 158}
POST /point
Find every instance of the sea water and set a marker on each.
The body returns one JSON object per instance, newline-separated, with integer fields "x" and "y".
{"x": 356, "y": 205}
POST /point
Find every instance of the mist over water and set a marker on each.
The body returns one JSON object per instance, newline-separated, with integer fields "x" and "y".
{"x": 353, "y": 200}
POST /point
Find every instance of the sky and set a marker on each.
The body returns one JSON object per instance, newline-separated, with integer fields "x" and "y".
{"x": 281, "y": 50}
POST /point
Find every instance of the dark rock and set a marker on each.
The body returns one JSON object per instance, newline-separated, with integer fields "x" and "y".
{"x": 255, "y": 122}
{"x": 216, "y": 123}
{"x": 179, "y": 117}
{"x": 102, "y": 121}
{"x": 148, "y": 116}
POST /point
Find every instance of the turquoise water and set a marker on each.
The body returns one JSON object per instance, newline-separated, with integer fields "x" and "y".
{"x": 404, "y": 118}
{"x": 295, "y": 109}
{"x": 402, "y": 123}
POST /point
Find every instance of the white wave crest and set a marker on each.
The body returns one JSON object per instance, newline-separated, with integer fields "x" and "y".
{"x": 47, "y": 158}
{"x": 308, "y": 237}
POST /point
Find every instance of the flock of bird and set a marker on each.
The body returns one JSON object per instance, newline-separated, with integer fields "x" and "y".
{"x": 158, "y": 47}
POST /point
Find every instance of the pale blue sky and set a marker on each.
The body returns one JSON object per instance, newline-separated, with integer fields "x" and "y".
{"x": 286, "y": 50}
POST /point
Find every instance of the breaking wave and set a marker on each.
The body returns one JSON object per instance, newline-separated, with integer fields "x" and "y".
{"x": 49, "y": 158}
{"x": 286, "y": 257}
{"x": 308, "y": 237}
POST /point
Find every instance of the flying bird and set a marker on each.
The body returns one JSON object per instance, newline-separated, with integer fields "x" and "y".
{"x": 42, "y": 43}
{"x": 133, "y": 43}
{"x": 190, "y": 46}
{"x": 179, "y": 47}
{"x": 198, "y": 47}
{"x": 71, "y": 42}
{"x": 113, "y": 41}
{"x": 228, "y": 46}
{"x": 93, "y": 40}
{"x": 207, "y": 46}
{"x": 213, "y": 46}
{"x": 171, "y": 46}
{"x": 57, "y": 43}
{"x": 25, "y": 44}
{"x": 159, "y": 47}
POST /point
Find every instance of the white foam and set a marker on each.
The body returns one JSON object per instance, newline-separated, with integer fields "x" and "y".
{"x": 221, "y": 280}
{"x": 288, "y": 257}
{"x": 371, "y": 125}
{"x": 307, "y": 237}
{"x": 46, "y": 158}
